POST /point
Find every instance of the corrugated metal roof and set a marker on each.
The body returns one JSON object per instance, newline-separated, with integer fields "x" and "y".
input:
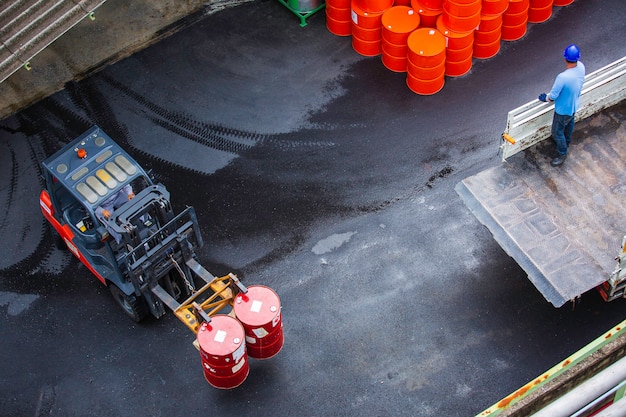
{"x": 29, "y": 26}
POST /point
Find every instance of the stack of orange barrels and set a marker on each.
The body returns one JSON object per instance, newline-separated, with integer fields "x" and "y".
{"x": 338, "y": 17}
{"x": 397, "y": 23}
{"x": 515, "y": 20}
{"x": 539, "y": 11}
{"x": 429, "y": 11}
{"x": 426, "y": 59}
{"x": 488, "y": 35}
{"x": 367, "y": 25}
{"x": 432, "y": 39}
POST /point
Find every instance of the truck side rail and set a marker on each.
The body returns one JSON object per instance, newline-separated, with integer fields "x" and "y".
{"x": 531, "y": 122}
{"x": 571, "y": 372}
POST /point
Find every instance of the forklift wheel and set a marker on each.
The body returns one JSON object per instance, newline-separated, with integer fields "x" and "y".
{"x": 133, "y": 306}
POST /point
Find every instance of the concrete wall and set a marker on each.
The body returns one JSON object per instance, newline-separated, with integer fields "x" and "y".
{"x": 120, "y": 28}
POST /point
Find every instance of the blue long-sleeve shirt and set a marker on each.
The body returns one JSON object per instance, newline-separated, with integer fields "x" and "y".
{"x": 566, "y": 90}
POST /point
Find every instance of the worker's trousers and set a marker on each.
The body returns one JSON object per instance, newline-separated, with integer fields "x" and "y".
{"x": 562, "y": 129}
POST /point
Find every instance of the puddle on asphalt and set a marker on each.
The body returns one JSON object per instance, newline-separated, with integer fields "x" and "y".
{"x": 17, "y": 303}
{"x": 331, "y": 243}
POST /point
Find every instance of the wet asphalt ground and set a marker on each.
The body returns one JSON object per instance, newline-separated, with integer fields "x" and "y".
{"x": 314, "y": 171}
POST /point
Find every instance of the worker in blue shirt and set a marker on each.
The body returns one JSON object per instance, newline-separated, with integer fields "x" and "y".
{"x": 565, "y": 94}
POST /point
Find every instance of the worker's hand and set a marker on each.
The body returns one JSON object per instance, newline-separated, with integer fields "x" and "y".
{"x": 106, "y": 213}
{"x": 543, "y": 97}
{"x": 131, "y": 196}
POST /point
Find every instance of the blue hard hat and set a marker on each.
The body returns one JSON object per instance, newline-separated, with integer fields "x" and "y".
{"x": 571, "y": 53}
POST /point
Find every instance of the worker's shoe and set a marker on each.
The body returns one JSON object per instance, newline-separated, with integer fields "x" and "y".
{"x": 558, "y": 160}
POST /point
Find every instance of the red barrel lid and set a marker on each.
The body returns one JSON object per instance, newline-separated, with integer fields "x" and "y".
{"x": 259, "y": 306}
{"x": 222, "y": 336}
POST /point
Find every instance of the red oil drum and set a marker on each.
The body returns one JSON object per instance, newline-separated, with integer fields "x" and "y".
{"x": 259, "y": 312}
{"x": 562, "y": 2}
{"x": 223, "y": 352}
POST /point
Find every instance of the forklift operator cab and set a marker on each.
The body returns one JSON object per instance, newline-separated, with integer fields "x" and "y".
{"x": 84, "y": 182}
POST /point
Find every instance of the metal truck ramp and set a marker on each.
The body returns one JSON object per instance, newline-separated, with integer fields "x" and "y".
{"x": 562, "y": 225}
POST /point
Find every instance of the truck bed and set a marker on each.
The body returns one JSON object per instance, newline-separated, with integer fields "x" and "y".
{"x": 562, "y": 225}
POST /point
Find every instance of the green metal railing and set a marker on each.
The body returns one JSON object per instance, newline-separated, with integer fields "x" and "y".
{"x": 303, "y": 13}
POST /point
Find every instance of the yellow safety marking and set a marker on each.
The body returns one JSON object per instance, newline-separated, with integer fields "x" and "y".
{"x": 508, "y": 138}
{"x": 222, "y": 297}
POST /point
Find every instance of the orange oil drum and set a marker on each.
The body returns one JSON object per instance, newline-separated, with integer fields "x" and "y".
{"x": 458, "y": 68}
{"x": 539, "y": 15}
{"x": 455, "y": 40}
{"x": 427, "y": 47}
{"x": 424, "y": 87}
{"x": 398, "y": 22}
{"x": 374, "y": 6}
{"x": 428, "y": 17}
{"x": 487, "y": 50}
{"x": 494, "y": 7}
